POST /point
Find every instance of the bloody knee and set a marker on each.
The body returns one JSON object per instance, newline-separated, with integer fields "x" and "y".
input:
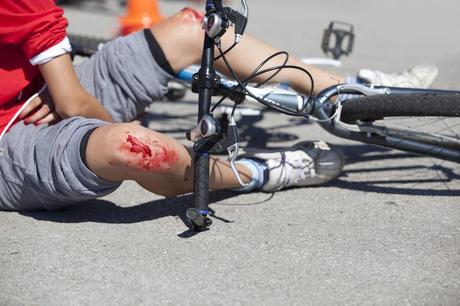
{"x": 137, "y": 148}
{"x": 187, "y": 16}
{"x": 192, "y": 14}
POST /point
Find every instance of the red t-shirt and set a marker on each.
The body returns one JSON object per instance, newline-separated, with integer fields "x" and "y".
{"x": 27, "y": 28}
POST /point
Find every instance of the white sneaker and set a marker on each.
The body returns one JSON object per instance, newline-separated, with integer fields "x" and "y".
{"x": 416, "y": 77}
{"x": 306, "y": 163}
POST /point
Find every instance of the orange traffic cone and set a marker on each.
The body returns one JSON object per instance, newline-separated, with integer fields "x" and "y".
{"x": 141, "y": 14}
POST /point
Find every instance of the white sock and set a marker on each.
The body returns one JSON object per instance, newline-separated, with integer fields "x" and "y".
{"x": 258, "y": 177}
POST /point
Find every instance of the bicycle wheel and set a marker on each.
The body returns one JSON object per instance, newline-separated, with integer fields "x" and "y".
{"x": 429, "y": 118}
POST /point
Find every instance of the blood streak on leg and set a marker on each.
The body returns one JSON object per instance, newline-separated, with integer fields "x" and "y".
{"x": 156, "y": 158}
{"x": 197, "y": 16}
{"x": 139, "y": 147}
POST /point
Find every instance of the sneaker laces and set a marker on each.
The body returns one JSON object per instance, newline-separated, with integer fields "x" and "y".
{"x": 406, "y": 78}
{"x": 417, "y": 77}
{"x": 293, "y": 171}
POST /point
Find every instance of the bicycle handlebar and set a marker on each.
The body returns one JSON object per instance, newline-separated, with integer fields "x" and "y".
{"x": 297, "y": 102}
{"x": 275, "y": 96}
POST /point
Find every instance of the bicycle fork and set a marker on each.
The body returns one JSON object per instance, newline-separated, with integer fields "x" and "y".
{"x": 212, "y": 138}
{"x": 206, "y": 79}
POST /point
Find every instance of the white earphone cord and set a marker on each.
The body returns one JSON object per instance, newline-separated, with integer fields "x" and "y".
{"x": 20, "y": 110}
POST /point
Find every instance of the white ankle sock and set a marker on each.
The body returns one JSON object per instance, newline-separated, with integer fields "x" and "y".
{"x": 257, "y": 169}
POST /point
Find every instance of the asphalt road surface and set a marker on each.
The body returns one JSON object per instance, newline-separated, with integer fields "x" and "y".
{"x": 387, "y": 232}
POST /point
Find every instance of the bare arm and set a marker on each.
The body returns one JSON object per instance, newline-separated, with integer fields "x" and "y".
{"x": 68, "y": 95}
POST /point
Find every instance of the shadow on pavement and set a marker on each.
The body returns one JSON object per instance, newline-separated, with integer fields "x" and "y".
{"x": 107, "y": 212}
{"x": 371, "y": 186}
{"x": 405, "y": 178}
{"x": 360, "y": 153}
{"x": 103, "y": 211}
{"x": 256, "y": 137}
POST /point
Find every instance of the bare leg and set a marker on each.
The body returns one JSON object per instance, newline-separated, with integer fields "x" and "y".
{"x": 254, "y": 52}
{"x": 162, "y": 164}
{"x": 157, "y": 162}
{"x": 181, "y": 38}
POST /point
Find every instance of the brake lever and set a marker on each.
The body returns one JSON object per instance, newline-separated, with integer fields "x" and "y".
{"x": 207, "y": 136}
{"x": 240, "y": 20}
{"x": 218, "y": 19}
{"x": 207, "y": 127}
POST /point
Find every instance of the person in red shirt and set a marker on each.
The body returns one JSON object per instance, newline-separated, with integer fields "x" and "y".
{"x": 32, "y": 33}
{"x": 66, "y": 134}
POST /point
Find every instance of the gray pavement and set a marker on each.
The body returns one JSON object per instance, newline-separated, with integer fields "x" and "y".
{"x": 386, "y": 233}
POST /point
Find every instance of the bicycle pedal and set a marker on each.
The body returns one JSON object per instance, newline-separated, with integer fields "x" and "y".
{"x": 338, "y": 39}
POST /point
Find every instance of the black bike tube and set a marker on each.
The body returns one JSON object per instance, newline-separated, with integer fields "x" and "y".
{"x": 201, "y": 159}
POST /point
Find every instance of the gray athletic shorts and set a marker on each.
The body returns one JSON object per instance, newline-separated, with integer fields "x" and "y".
{"x": 41, "y": 166}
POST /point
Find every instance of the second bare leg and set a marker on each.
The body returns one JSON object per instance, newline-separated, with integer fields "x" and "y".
{"x": 181, "y": 39}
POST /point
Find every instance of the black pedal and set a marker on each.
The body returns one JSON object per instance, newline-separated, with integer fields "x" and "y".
{"x": 338, "y": 39}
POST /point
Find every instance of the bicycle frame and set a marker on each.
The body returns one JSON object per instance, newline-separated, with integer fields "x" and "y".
{"x": 321, "y": 108}
{"x": 208, "y": 138}
{"x": 373, "y": 134}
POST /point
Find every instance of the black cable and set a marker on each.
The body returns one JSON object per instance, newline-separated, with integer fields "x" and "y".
{"x": 220, "y": 101}
{"x": 291, "y": 67}
{"x": 226, "y": 51}
{"x": 266, "y": 61}
{"x": 309, "y": 97}
{"x": 254, "y": 73}
{"x": 278, "y": 108}
{"x": 233, "y": 110}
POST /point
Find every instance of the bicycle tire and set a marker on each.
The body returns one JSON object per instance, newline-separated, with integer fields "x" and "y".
{"x": 376, "y": 107}
{"x": 428, "y": 118}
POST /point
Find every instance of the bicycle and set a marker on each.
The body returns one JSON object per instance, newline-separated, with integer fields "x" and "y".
{"x": 366, "y": 118}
